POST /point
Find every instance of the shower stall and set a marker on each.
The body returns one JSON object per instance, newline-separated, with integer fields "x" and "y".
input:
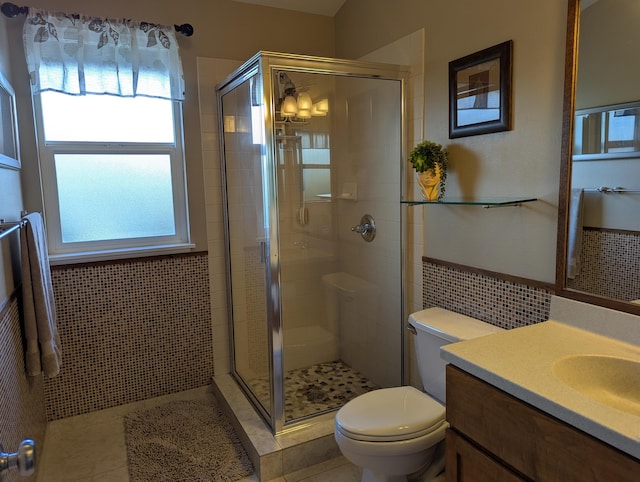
{"x": 312, "y": 156}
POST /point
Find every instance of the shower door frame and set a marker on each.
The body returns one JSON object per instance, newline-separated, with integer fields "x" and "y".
{"x": 264, "y": 64}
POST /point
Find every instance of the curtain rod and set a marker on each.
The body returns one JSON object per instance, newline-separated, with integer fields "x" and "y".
{"x": 12, "y": 11}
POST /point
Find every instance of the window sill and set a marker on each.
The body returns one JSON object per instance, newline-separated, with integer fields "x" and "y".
{"x": 114, "y": 254}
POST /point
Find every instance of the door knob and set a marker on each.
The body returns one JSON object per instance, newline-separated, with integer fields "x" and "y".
{"x": 24, "y": 459}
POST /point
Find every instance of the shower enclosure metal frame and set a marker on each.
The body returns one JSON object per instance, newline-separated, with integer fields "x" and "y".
{"x": 264, "y": 64}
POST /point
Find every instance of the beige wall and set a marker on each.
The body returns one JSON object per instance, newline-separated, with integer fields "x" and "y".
{"x": 609, "y": 41}
{"x": 10, "y": 192}
{"x": 524, "y": 161}
{"x": 21, "y": 397}
{"x": 223, "y": 29}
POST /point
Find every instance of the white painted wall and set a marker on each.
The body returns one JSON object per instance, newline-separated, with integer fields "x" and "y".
{"x": 522, "y": 162}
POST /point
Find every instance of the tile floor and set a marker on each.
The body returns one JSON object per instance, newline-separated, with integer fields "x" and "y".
{"x": 91, "y": 448}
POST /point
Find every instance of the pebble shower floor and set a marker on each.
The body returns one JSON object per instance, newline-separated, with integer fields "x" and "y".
{"x": 317, "y": 389}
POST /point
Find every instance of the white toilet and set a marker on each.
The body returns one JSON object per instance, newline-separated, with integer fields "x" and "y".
{"x": 395, "y": 432}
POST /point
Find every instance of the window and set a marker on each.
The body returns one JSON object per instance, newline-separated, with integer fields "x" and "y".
{"x": 107, "y": 99}
{"x": 112, "y": 174}
{"x": 316, "y": 166}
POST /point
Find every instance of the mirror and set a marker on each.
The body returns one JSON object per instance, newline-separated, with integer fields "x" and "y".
{"x": 599, "y": 212}
{"x": 9, "y": 146}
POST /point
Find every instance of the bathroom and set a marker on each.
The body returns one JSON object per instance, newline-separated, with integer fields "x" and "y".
{"x": 497, "y": 264}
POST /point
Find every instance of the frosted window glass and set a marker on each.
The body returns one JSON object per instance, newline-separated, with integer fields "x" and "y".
{"x": 316, "y": 156}
{"x": 114, "y": 196}
{"x": 106, "y": 118}
{"x": 316, "y": 183}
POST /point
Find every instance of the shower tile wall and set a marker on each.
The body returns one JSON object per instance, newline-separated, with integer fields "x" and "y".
{"x": 409, "y": 51}
{"x": 130, "y": 331}
{"x": 21, "y": 398}
{"x": 210, "y": 73}
{"x": 500, "y": 302}
{"x": 610, "y": 264}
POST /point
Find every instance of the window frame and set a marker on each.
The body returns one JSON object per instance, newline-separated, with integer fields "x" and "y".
{"x": 61, "y": 253}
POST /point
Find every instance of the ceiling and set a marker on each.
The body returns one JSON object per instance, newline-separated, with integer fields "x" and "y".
{"x": 330, "y": 7}
{"x": 319, "y": 7}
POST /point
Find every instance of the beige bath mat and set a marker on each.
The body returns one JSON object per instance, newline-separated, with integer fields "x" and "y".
{"x": 189, "y": 440}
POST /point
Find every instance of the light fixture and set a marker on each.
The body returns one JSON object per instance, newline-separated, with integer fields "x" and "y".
{"x": 289, "y": 107}
{"x": 304, "y": 101}
{"x": 316, "y": 112}
{"x": 296, "y": 104}
{"x": 322, "y": 105}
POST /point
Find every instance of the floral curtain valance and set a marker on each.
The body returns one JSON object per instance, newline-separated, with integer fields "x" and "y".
{"x": 78, "y": 55}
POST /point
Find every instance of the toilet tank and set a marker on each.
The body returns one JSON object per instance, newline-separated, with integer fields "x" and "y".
{"x": 435, "y": 327}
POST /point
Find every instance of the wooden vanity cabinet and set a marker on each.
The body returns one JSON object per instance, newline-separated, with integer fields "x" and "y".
{"x": 495, "y": 437}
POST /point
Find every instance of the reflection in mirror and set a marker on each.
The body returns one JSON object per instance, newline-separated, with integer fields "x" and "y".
{"x": 599, "y": 253}
{"x": 609, "y": 132}
{"x": 303, "y": 154}
{"x": 9, "y": 147}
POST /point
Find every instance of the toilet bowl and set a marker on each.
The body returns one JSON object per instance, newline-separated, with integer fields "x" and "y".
{"x": 392, "y": 433}
{"x": 390, "y": 443}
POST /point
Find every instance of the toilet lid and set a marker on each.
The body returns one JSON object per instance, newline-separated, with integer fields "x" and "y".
{"x": 390, "y": 414}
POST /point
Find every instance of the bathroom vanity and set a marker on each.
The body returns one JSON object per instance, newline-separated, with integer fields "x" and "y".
{"x": 555, "y": 401}
{"x": 496, "y": 437}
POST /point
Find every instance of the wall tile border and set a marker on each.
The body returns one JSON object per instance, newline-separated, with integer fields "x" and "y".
{"x": 496, "y": 298}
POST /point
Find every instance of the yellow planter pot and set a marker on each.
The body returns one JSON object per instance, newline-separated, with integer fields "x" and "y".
{"x": 429, "y": 181}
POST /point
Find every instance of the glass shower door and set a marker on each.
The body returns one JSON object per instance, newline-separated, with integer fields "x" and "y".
{"x": 340, "y": 296}
{"x": 242, "y": 118}
{"x": 315, "y": 310}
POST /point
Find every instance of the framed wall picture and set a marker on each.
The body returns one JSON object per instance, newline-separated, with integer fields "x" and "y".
{"x": 9, "y": 145}
{"x": 480, "y": 92}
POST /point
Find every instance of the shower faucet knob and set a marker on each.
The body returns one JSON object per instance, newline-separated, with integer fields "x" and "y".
{"x": 366, "y": 228}
{"x": 361, "y": 228}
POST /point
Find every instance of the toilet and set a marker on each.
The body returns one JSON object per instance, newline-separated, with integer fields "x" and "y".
{"x": 392, "y": 433}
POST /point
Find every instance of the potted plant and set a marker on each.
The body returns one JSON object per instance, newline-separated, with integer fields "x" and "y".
{"x": 429, "y": 160}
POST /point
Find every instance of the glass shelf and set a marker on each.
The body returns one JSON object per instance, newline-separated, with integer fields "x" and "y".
{"x": 488, "y": 202}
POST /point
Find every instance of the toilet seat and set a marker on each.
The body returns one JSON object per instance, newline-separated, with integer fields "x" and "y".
{"x": 390, "y": 414}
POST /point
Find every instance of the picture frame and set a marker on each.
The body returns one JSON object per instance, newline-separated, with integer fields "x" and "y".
{"x": 9, "y": 142}
{"x": 480, "y": 92}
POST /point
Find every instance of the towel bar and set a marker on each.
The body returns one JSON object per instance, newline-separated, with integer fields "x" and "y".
{"x": 8, "y": 228}
{"x": 605, "y": 190}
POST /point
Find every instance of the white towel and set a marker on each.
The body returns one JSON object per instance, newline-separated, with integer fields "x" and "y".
{"x": 43, "y": 343}
{"x": 574, "y": 244}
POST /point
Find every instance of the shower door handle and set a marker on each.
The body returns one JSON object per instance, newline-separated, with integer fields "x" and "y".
{"x": 263, "y": 252}
{"x": 24, "y": 459}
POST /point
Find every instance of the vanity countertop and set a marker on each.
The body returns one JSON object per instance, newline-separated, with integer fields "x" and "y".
{"x": 520, "y": 362}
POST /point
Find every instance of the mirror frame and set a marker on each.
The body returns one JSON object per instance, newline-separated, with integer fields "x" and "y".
{"x": 566, "y": 154}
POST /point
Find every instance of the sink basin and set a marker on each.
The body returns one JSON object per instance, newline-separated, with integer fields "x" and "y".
{"x": 609, "y": 380}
